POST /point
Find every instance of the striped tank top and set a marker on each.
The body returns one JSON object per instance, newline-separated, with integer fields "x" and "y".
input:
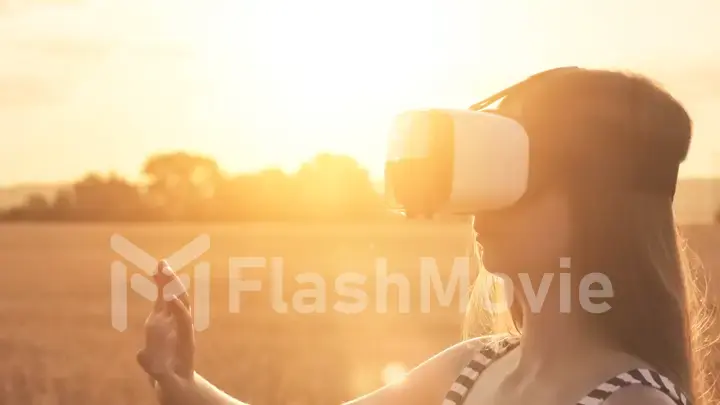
{"x": 484, "y": 356}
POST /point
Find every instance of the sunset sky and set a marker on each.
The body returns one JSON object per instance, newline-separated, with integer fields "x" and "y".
{"x": 101, "y": 84}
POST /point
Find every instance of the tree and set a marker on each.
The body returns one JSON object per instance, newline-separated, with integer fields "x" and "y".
{"x": 180, "y": 184}
{"x": 275, "y": 195}
{"x": 35, "y": 207}
{"x": 63, "y": 206}
{"x": 36, "y": 203}
{"x": 267, "y": 195}
{"x": 111, "y": 198}
{"x": 336, "y": 186}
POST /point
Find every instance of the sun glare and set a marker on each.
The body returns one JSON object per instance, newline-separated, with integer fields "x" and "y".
{"x": 280, "y": 82}
{"x": 313, "y": 76}
{"x": 394, "y": 373}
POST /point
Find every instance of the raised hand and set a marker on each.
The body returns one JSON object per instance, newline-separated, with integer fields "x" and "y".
{"x": 168, "y": 355}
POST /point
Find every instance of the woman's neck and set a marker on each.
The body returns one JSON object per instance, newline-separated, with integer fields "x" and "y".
{"x": 561, "y": 352}
{"x": 553, "y": 338}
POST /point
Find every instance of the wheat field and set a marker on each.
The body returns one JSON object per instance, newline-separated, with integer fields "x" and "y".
{"x": 58, "y": 344}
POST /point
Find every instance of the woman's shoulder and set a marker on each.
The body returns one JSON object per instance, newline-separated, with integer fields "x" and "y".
{"x": 488, "y": 348}
{"x": 431, "y": 380}
{"x": 640, "y": 395}
{"x": 492, "y": 342}
{"x": 455, "y": 358}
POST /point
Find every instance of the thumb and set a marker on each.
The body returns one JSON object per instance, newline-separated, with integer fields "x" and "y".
{"x": 149, "y": 365}
{"x": 141, "y": 358}
{"x": 165, "y": 377}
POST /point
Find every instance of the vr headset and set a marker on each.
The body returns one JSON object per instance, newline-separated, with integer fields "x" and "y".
{"x": 467, "y": 161}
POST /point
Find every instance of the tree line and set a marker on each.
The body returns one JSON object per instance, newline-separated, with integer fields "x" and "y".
{"x": 180, "y": 186}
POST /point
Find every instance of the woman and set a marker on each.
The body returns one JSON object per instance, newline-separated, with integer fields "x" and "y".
{"x": 605, "y": 152}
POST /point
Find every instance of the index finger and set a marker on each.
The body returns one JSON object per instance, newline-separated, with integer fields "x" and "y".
{"x": 169, "y": 286}
{"x": 160, "y": 282}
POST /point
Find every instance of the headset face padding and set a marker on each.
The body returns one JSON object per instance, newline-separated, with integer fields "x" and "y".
{"x": 456, "y": 162}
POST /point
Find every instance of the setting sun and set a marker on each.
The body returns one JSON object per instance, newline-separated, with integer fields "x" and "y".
{"x": 272, "y": 83}
{"x": 321, "y": 77}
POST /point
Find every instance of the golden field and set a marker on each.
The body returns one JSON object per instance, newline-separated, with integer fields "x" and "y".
{"x": 58, "y": 345}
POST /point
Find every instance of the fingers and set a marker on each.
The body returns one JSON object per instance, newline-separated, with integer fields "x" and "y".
{"x": 159, "y": 356}
{"x": 171, "y": 305}
{"x": 160, "y": 332}
{"x": 160, "y": 282}
{"x": 185, "y": 336}
{"x": 163, "y": 376}
{"x": 161, "y": 370}
{"x": 169, "y": 285}
{"x": 144, "y": 360}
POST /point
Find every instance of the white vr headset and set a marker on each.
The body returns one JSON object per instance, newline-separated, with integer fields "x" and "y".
{"x": 460, "y": 161}
{"x": 455, "y": 161}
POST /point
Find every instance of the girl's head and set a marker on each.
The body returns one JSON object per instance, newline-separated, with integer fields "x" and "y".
{"x": 598, "y": 139}
{"x": 605, "y": 150}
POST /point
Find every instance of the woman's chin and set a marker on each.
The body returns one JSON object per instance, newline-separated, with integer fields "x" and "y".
{"x": 492, "y": 258}
{"x": 489, "y": 261}
{"x": 491, "y": 268}
{"x": 495, "y": 263}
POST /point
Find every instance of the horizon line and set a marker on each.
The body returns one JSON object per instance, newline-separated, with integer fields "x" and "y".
{"x": 376, "y": 181}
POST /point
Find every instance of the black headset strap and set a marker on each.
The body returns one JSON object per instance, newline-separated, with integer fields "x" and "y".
{"x": 517, "y": 86}
{"x": 655, "y": 178}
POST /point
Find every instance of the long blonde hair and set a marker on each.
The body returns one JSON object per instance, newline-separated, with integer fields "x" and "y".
{"x": 661, "y": 314}
{"x": 659, "y": 308}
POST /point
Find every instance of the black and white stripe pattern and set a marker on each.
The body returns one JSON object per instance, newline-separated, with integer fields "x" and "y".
{"x": 642, "y": 376}
{"x": 461, "y": 387}
{"x": 465, "y": 381}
